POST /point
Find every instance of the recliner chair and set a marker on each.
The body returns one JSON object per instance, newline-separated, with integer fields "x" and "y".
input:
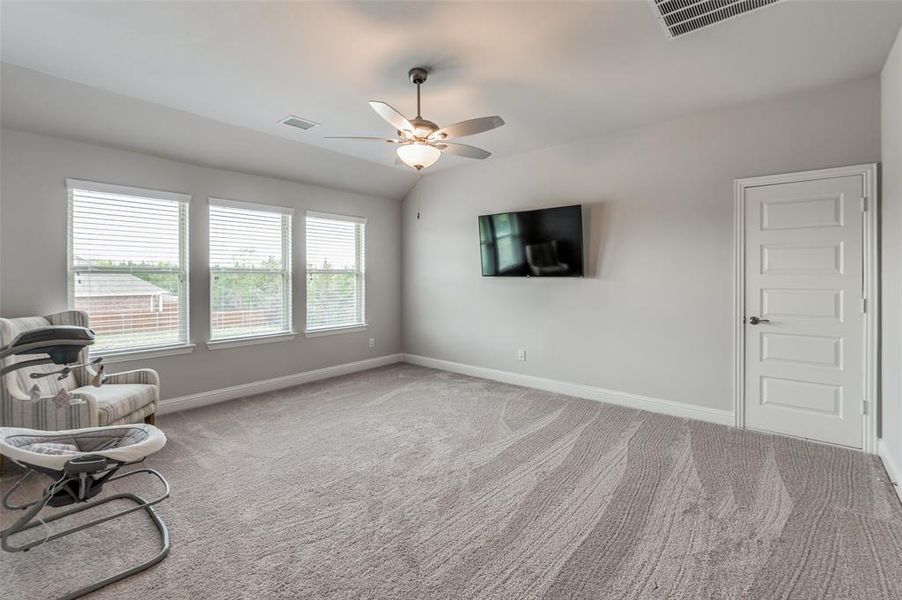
{"x": 128, "y": 397}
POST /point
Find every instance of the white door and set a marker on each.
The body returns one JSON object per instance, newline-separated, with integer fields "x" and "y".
{"x": 804, "y": 309}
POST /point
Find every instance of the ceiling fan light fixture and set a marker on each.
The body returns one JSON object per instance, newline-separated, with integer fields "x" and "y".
{"x": 418, "y": 155}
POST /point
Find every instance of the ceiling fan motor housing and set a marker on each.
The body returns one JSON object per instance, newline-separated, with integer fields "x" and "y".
{"x": 422, "y": 128}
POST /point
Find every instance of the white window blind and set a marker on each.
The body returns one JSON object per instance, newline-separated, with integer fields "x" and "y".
{"x": 128, "y": 264}
{"x": 250, "y": 269}
{"x": 335, "y": 271}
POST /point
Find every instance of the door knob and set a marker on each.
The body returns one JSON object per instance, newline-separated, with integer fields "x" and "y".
{"x": 756, "y": 320}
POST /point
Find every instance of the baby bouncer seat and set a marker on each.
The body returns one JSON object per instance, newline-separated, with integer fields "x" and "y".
{"x": 79, "y": 462}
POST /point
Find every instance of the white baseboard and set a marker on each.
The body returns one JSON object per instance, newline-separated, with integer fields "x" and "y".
{"x": 667, "y": 407}
{"x": 268, "y": 385}
{"x": 658, "y": 405}
{"x": 893, "y": 469}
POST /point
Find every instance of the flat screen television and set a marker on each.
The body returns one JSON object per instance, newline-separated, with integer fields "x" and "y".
{"x": 535, "y": 243}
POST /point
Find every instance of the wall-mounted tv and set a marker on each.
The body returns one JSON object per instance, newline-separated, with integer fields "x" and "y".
{"x": 533, "y": 243}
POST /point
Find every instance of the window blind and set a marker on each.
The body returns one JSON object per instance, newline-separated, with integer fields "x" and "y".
{"x": 335, "y": 271}
{"x": 128, "y": 264}
{"x": 250, "y": 269}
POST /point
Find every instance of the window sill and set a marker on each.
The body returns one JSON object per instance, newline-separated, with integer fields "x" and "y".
{"x": 133, "y": 355}
{"x": 237, "y": 342}
{"x": 335, "y": 330}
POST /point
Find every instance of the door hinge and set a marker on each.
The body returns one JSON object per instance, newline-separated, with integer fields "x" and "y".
{"x": 864, "y": 305}
{"x": 864, "y": 204}
{"x": 864, "y": 407}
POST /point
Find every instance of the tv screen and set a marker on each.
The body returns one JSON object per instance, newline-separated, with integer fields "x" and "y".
{"x": 533, "y": 243}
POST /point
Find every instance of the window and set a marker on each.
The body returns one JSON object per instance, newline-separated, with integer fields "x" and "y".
{"x": 250, "y": 270}
{"x": 335, "y": 272}
{"x": 128, "y": 265}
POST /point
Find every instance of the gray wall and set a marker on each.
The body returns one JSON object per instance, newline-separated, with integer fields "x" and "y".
{"x": 654, "y": 315}
{"x": 891, "y": 126}
{"x": 33, "y": 256}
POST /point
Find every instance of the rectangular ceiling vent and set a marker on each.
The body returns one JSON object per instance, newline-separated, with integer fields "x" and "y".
{"x": 682, "y": 16}
{"x": 293, "y": 121}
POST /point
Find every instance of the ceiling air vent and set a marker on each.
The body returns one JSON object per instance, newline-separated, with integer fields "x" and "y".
{"x": 682, "y": 16}
{"x": 293, "y": 121}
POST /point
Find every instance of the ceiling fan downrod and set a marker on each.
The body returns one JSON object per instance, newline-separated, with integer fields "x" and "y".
{"x": 418, "y": 76}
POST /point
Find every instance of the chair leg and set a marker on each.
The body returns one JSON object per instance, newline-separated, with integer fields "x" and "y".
{"x": 150, "y": 419}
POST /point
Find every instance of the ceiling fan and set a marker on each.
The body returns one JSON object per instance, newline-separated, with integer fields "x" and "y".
{"x": 420, "y": 141}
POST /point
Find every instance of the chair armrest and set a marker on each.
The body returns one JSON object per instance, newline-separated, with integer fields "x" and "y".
{"x": 86, "y": 409}
{"x": 145, "y": 376}
{"x": 28, "y": 409}
{"x": 47, "y": 414}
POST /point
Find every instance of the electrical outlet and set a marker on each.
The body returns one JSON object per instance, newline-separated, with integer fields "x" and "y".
{"x": 372, "y": 342}
{"x": 521, "y": 354}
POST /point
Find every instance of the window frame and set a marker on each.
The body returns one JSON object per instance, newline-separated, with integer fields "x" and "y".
{"x": 360, "y": 272}
{"x": 287, "y": 332}
{"x": 127, "y": 353}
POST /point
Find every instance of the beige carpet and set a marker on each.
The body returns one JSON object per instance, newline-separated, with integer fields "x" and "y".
{"x": 405, "y": 482}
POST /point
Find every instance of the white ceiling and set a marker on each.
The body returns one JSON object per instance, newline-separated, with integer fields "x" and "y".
{"x": 555, "y": 71}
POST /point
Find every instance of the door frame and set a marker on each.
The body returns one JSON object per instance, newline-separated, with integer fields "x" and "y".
{"x": 870, "y": 255}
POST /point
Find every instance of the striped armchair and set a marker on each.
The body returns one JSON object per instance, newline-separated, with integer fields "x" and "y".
{"x": 128, "y": 397}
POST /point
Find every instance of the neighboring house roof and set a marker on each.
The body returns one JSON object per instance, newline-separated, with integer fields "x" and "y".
{"x": 114, "y": 284}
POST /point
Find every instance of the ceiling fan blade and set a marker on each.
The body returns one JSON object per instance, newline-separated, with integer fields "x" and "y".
{"x": 462, "y": 150}
{"x": 362, "y": 139}
{"x": 471, "y": 127}
{"x": 394, "y": 118}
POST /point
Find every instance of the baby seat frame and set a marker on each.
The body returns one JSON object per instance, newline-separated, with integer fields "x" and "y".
{"x": 80, "y": 480}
